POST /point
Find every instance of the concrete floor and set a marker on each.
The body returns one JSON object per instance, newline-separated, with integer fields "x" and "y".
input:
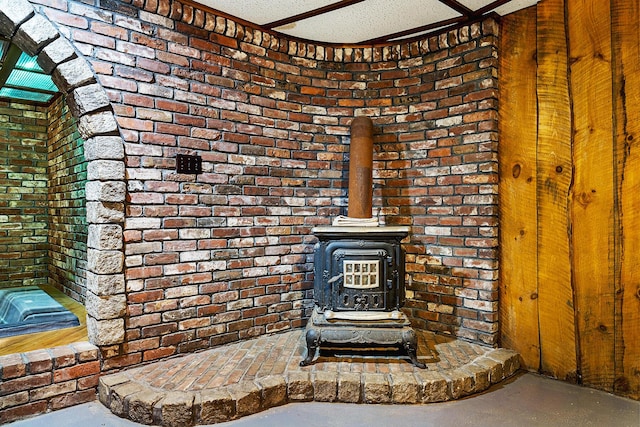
{"x": 524, "y": 400}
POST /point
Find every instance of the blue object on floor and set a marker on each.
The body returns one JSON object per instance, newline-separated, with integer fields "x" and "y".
{"x": 29, "y": 309}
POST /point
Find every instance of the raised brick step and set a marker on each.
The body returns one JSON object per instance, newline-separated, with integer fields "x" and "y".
{"x": 243, "y": 378}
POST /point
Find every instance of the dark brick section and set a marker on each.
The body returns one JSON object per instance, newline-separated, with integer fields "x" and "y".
{"x": 67, "y": 227}
{"x": 118, "y": 6}
{"x": 23, "y": 195}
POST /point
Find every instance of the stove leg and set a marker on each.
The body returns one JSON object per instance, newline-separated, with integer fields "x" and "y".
{"x": 313, "y": 340}
{"x": 410, "y": 344}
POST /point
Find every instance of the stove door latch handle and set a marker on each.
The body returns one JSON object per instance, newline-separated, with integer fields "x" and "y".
{"x": 335, "y": 279}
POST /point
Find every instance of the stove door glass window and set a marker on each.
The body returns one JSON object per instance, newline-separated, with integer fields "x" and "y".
{"x": 361, "y": 274}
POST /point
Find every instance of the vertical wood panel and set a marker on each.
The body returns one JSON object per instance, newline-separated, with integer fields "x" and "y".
{"x": 626, "y": 39}
{"x": 557, "y": 323}
{"x": 518, "y": 226}
{"x": 588, "y": 221}
{"x": 593, "y": 202}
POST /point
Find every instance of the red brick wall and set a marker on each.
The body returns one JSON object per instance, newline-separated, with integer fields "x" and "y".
{"x": 227, "y": 254}
{"x": 45, "y": 380}
{"x": 67, "y": 203}
{"x": 436, "y": 171}
{"x": 23, "y": 195}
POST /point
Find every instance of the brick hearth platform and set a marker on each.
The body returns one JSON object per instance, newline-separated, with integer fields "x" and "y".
{"x": 243, "y": 378}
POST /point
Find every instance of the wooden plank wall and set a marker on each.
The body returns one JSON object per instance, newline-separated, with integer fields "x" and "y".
{"x": 570, "y": 191}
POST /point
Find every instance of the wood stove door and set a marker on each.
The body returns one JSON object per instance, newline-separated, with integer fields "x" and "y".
{"x": 365, "y": 279}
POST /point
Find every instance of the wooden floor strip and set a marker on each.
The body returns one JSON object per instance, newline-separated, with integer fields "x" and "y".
{"x": 49, "y": 339}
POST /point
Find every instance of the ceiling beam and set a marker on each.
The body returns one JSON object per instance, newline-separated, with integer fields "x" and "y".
{"x": 416, "y": 30}
{"x": 458, "y": 7}
{"x": 9, "y": 63}
{"x": 311, "y": 13}
{"x": 491, "y": 6}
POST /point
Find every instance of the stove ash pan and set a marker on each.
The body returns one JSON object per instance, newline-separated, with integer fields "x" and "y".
{"x": 359, "y": 290}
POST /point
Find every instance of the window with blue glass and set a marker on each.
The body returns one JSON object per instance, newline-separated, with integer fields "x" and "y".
{"x": 21, "y": 78}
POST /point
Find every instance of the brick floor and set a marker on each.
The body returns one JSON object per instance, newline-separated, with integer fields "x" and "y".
{"x": 242, "y": 378}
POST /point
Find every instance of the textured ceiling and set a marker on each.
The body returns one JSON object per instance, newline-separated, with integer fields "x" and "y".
{"x": 361, "y": 21}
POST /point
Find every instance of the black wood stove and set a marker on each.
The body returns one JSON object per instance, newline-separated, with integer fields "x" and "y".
{"x": 359, "y": 289}
{"x": 359, "y": 270}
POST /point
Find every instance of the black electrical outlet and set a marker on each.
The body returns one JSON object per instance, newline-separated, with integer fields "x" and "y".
{"x": 188, "y": 164}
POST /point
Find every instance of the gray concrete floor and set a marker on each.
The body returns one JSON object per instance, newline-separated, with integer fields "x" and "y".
{"x": 525, "y": 400}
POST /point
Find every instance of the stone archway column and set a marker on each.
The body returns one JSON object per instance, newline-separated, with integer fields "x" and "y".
{"x": 104, "y": 151}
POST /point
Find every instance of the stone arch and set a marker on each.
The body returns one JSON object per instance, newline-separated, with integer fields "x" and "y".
{"x": 36, "y": 35}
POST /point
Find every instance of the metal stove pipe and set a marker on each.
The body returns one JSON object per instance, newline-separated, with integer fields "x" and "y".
{"x": 361, "y": 168}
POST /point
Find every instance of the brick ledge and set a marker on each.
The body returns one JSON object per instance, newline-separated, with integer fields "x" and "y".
{"x": 127, "y": 396}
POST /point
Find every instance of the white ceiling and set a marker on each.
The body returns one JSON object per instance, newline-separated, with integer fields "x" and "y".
{"x": 361, "y": 21}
